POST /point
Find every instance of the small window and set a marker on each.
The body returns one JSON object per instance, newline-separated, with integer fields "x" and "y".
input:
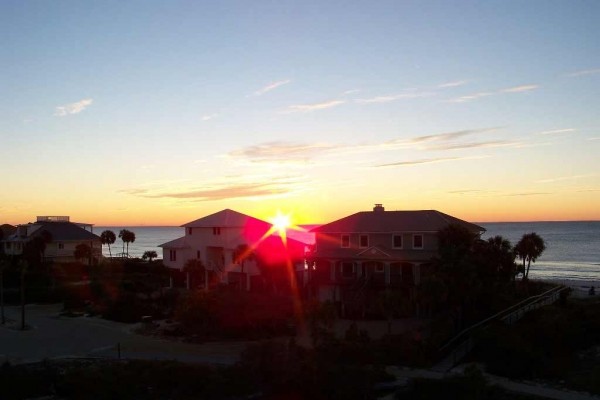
{"x": 61, "y": 246}
{"x": 190, "y": 231}
{"x": 364, "y": 240}
{"x": 417, "y": 241}
{"x": 397, "y": 241}
{"x": 345, "y": 240}
{"x": 216, "y": 231}
{"x": 198, "y": 254}
{"x": 347, "y": 270}
{"x": 172, "y": 255}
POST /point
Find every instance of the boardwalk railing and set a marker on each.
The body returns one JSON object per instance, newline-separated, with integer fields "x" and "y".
{"x": 460, "y": 345}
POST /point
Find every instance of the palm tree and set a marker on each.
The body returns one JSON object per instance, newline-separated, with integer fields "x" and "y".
{"x": 149, "y": 255}
{"x": 501, "y": 254}
{"x": 127, "y": 237}
{"x": 82, "y": 251}
{"x": 108, "y": 237}
{"x": 529, "y": 248}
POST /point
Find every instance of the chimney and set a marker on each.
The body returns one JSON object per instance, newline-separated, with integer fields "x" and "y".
{"x": 378, "y": 208}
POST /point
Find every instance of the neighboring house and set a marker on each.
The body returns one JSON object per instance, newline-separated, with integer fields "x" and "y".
{"x": 358, "y": 256}
{"x": 6, "y": 230}
{"x": 64, "y": 237}
{"x": 217, "y": 241}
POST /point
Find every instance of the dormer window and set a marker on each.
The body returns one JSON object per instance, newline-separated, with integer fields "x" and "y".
{"x": 417, "y": 241}
{"x": 364, "y": 241}
{"x": 345, "y": 241}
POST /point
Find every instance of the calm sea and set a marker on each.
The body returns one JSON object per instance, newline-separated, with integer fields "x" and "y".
{"x": 573, "y": 248}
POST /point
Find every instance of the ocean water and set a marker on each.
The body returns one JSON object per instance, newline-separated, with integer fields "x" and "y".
{"x": 572, "y": 248}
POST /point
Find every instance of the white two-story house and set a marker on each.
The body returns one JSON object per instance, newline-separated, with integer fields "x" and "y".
{"x": 231, "y": 246}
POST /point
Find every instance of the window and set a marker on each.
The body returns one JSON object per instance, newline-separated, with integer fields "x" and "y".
{"x": 198, "y": 254}
{"x": 61, "y": 246}
{"x": 345, "y": 240}
{"x": 216, "y": 231}
{"x": 172, "y": 255}
{"x": 417, "y": 241}
{"x": 364, "y": 241}
{"x": 347, "y": 270}
{"x": 379, "y": 267}
{"x": 190, "y": 231}
{"x": 397, "y": 241}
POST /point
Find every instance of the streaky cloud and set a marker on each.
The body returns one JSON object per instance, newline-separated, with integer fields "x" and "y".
{"x": 519, "y": 89}
{"x": 452, "y": 84}
{"x": 280, "y": 151}
{"x": 424, "y": 161}
{"x": 557, "y": 131}
{"x": 472, "y": 145}
{"x": 584, "y": 72}
{"x": 271, "y": 86}
{"x": 470, "y": 97}
{"x": 389, "y": 98}
{"x": 73, "y": 108}
{"x": 527, "y": 194}
{"x": 315, "y": 106}
{"x": 564, "y": 178}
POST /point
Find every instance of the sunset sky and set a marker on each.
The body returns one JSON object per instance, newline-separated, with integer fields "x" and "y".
{"x": 161, "y": 112}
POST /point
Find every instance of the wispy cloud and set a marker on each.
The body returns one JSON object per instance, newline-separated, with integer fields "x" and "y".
{"x": 519, "y": 89}
{"x": 475, "y": 96}
{"x": 564, "y": 178}
{"x": 594, "y": 138}
{"x": 585, "y": 72}
{"x": 470, "y": 97}
{"x": 527, "y": 194}
{"x": 73, "y": 108}
{"x": 271, "y": 86}
{"x": 473, "y": 145}
{"x": 208, "y": 117}
{"x": 452, "y": 84}
{"x": 351, "y": 91}
{"x": 425, "y": 161}
{"x": 557, "y": 131}
{"x": 272, "y": 186}
{"x": 394, "y": 97}
{"x": 280, "y": 151}
{"x": 468, "y": 191}
{"x": 315, "y": 106}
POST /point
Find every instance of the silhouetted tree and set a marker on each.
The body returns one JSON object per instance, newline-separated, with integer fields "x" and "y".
{"x": 3, "y": 264}
{"x": 195, "y": 272}
{"x": 529, "y": 248}
{"x": 108, "y": 237}
{"x": 82, "y": 251}
{"x": 127, "y": 237}
{"x": 149, "y": 255}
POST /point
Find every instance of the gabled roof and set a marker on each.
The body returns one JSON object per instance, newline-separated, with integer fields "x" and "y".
{"x": 227, "y": 219}
{"x": 395, "y": 221}
{"x": 64, "y": 231}
{"x": 175, "y": 244}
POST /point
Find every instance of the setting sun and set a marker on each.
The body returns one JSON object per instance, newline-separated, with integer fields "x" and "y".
{"x": 281, "y": 222}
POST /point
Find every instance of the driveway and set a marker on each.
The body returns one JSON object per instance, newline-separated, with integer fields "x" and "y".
{"x": 53, "y": 336}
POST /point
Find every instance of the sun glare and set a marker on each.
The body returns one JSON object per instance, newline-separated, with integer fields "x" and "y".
{"x": 281, "y": 222}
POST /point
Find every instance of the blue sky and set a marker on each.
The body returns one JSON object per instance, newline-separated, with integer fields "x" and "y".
{"x": 161, "y": 112}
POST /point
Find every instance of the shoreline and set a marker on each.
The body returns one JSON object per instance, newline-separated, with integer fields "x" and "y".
{"x": 580, "y": 287}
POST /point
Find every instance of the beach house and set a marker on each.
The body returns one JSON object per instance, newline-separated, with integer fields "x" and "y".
{"x": 231, "y": 248}
{"x": 60, "y": 235}
{"x": 358, "y": 256}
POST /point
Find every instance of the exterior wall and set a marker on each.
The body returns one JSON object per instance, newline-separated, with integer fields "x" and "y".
{"x": 333, "y": 241}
